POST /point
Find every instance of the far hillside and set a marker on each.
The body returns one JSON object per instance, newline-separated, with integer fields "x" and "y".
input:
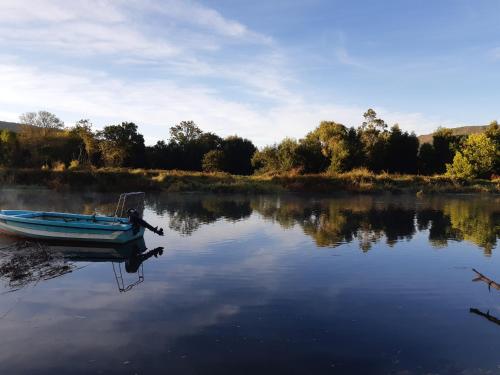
{"x": 462, "y": 130}
{"x": 12, "y": 126}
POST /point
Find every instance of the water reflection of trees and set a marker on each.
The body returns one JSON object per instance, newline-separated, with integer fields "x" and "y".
{"x": 333, "y": 221}
{"x": 188, "y": 212}
{"x": 329, "y": 221}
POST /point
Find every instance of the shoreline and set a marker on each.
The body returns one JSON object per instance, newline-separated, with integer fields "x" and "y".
{"x": 115, "y": 180}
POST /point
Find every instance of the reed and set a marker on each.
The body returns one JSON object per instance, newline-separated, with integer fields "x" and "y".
{"x": 356, "y": 181}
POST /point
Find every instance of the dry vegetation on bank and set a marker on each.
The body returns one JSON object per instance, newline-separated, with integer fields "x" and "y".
{"x": 356, "y": 181}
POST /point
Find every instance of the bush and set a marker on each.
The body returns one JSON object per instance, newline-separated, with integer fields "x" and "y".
{"x": 213, "y": 161}
{"x": 476, "y": 159}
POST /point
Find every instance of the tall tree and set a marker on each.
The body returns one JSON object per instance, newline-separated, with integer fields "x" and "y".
{"x": 122, "y": 145}
{"x": 89, "y": 148}
{"x": 9, "y": 148}
{"x": 43, "y": 120}
{"x": 426, "y": 159}
{"x": 374, "y": 136}
{"x": 493, "y": 133}
{"x": 185, "y": 132}
{"x": 445, "y": 145}
{"x": 402, "y": 151}
{"x": 238, "y": 153}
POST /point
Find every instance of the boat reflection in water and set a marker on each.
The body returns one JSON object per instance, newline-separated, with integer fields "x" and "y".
{"x": 27, "y": 263}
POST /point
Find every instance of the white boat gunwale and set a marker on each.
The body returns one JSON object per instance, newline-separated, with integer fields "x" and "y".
{"x": 35, "y": 218}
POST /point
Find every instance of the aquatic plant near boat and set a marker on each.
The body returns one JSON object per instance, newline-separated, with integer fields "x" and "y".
{"x": 25, "y": 263}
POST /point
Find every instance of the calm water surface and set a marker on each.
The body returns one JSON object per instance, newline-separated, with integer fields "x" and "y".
{"x": 260, "y": 284}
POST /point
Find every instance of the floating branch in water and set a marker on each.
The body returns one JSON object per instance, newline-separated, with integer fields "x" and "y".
{"x": 27, "y": 262}
{"x": 487, "y": 280}
{"x": 486, "y": 315}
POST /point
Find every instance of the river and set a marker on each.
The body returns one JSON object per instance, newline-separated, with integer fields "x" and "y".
{"x": 259, "y": 284}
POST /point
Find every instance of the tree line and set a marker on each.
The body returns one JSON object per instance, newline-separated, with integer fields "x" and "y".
{"x": 45, "y": 142}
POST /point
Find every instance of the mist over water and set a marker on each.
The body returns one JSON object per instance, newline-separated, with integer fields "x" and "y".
{"x": 259, "y": 284}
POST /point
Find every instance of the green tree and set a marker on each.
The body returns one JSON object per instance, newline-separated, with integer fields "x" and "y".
{"x": 89, "y": 147}
{"x": 402, "y": 151}
{"x": 9, "y": 148}
{"x": 185, "y": 132}
{"x": 339, "y": 144}
{"x": 266, "y": 160}
{"x": 445, "y": 146}
{"x": 372, "y": 122}
{"x": 476, "y": 159}
{"x": 122, "y": 145}
{"x": 426, "y": 159}
{"x": 493, "y": 133}
{"x": 238, "y": 153}
{"x": 310, "y": 155}
{"x": 374, "y": 137}
{"x": 288, "y": 158}
{"x": 213, "y": 161}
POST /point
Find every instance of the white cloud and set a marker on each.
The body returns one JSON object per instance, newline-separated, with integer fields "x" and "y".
{"x": 157, "y": 104}
{"x": 118, "y": 27}
{"x": 254, "y": 93}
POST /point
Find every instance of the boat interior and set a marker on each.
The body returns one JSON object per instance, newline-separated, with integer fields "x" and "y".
{"x": 65, "y": 217}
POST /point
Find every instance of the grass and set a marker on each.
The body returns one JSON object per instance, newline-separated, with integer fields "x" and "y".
{"x": 357, "y": 181}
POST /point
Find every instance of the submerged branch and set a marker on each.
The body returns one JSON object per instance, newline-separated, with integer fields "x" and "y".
{"x": 486, "y": 315}
{"x": 487, "y": 280}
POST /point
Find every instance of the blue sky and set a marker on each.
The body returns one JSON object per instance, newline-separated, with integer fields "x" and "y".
{"x": 260, "y": 69}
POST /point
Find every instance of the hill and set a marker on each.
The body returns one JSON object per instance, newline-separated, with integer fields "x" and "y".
{"x": 462, "y": 130}
{"x": 13, "y": 126}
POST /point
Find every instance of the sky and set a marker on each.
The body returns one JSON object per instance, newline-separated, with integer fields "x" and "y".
{"x": 261, "y": 69}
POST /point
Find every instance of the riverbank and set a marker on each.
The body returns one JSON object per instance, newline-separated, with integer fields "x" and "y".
{"x": 117, "y": 180}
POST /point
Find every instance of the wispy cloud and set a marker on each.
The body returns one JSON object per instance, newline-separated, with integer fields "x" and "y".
{"x": 345, "y": 58}
{"x": 157, "y": 63}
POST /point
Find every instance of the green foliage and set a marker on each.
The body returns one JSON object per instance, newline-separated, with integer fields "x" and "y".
{"x": 445, "y": 145}
{"x": 121, "y": 145}
{"x": 331, "y": 147}
{"x": 401, "y": 152}
{"x": 373, "y": 134}
{"x": 266, "y": 160}
{"x": 426, "y": 159}
{"x": 9, "y": 148}
{"x": 476, "y": 159}
{"x": 310, "y": 155}
{"x": 493, "y": 133}
{"x": 334, "y": 145}
{"x": 460, "y": 168}
{"x": 288, "y": 158}
{"x": 89, "y": 150}
{"x": 238, "y": 154}
{"x": 213, "y": 161}
{"x": 185, "y": 132}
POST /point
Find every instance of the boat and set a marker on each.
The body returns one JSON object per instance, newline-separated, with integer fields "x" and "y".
{"x": 127, "y": 224}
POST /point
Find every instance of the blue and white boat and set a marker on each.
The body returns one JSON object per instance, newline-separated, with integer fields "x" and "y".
{"x": 53, "y": 226}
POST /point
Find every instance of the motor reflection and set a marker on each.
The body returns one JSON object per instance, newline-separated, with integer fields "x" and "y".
{"x": 28, "y": 263}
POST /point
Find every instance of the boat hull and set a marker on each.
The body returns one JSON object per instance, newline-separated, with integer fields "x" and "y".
{"x": 53, "y": 230}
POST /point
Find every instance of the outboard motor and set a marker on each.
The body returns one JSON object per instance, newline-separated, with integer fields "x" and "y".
{"x": 137, "y": 222}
